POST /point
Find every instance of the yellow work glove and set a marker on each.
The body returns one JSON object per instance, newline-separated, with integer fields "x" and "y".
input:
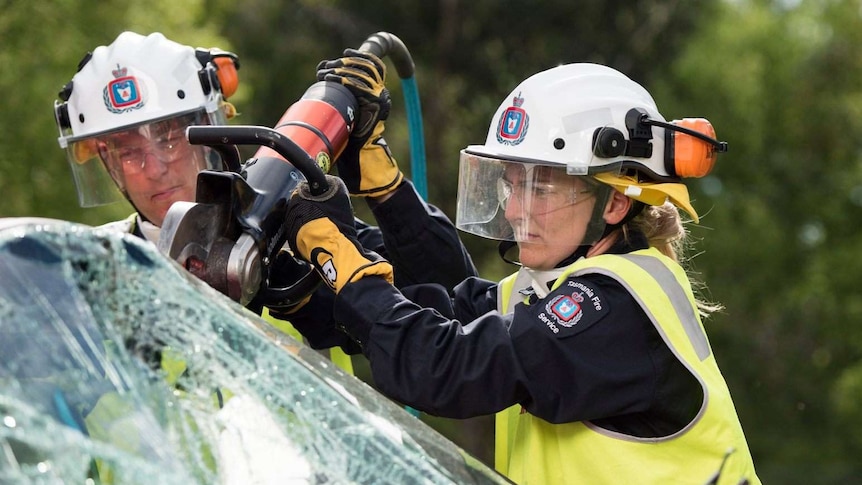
{"x": 366, "y": 165}
{"x": 320, "y": 230}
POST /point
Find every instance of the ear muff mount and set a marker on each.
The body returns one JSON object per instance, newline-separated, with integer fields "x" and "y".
{"x": 608, "y": 142}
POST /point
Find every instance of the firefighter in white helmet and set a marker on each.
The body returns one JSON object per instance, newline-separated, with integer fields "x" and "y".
{"x": 122, "y": 122}
{"x": 593, "y": 353}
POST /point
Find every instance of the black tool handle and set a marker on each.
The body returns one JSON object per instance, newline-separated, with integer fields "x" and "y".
{"x": 262, "y": 136}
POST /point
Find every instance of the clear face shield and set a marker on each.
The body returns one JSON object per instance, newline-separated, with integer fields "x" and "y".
{"x": 105, "y": 166}
{"x": 528, "y": 203}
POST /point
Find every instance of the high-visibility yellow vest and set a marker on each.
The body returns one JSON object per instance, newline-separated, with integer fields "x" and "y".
{"x": 531, "y": 450}
{"x": 335, "y": 354}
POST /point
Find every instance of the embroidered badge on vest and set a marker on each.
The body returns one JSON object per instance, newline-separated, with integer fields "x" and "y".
{"x": 572, "y": 308}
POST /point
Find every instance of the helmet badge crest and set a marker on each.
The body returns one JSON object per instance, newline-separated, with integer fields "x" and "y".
{"x": 513, "y": 124}
{"x": 123, "y": 93}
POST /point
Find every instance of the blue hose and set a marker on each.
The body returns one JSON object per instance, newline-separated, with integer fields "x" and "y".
{"x": 384, "y": 44}
{"x": 417, "y": 138}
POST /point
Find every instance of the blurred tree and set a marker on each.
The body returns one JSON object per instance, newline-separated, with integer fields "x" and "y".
{"x": 780, "y": 81}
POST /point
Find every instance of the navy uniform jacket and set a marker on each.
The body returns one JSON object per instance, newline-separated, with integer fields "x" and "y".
{"x": 465, "y": 359}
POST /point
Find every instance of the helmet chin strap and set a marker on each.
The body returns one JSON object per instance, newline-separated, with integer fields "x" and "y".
{"x": 503, "y": 248}
{"x": 141, "y": 216}
{"x": 144, "y": 225}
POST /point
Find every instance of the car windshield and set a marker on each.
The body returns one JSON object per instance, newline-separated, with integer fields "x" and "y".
{"x": 119, "y": 367}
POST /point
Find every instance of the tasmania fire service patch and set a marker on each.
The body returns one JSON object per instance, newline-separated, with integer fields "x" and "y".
{"x": 572, "y": 308}
{"x": 123, "y": 93}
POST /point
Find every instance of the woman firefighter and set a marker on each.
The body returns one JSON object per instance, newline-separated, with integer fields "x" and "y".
{"x": 593, "y": 354}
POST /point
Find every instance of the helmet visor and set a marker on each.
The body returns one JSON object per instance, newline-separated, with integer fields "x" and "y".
{"x": 103, "y": 163}
{"x": 513, "y": 201}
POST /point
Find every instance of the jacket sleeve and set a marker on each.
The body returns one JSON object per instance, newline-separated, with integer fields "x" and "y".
{"x": 422, "y": 358}
{"x": 315, "y": 322}
{"x": 561, "y": 362}
{"x": 420, "y": 241}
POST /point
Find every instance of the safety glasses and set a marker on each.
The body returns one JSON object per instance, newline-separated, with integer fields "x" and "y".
{"x": 538, "y": 190}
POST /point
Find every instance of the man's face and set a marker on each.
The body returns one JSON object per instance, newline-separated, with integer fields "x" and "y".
{"x": 155, "y": 165}
{"x": 549, "y": 212}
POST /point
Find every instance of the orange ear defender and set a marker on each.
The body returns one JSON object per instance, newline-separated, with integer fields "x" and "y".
{"x": 690, "y": 147}
{"x": 225, "y": 64}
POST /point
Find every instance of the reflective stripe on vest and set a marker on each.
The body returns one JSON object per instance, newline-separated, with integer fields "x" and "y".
{"x": 579, "y": 452}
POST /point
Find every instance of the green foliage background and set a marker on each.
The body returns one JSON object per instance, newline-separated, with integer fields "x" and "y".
{"x": 780, "y": 80}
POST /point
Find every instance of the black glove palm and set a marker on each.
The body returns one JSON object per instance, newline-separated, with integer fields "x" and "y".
{"x": 289, "y": 286}
{"x": 364, "y": 74}
{"x": 366, "y": 165}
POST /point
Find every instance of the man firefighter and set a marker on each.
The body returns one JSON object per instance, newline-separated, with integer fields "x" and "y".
{"x": 122, "y": 122}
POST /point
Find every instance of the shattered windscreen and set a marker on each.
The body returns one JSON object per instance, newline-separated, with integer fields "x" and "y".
{"x": 116, "y": 366}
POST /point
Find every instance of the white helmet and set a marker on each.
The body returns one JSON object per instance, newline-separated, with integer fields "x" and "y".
{"x": 588, "y": 120}
{"x": 136, "y": 83}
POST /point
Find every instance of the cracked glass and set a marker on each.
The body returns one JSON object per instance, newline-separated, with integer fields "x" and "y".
{"x": 117, "y": 366}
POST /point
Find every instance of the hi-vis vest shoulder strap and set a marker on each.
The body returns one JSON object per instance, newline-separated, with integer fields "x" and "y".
{"x": 711, "y": 447}
{"x": 522, "y": 280}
